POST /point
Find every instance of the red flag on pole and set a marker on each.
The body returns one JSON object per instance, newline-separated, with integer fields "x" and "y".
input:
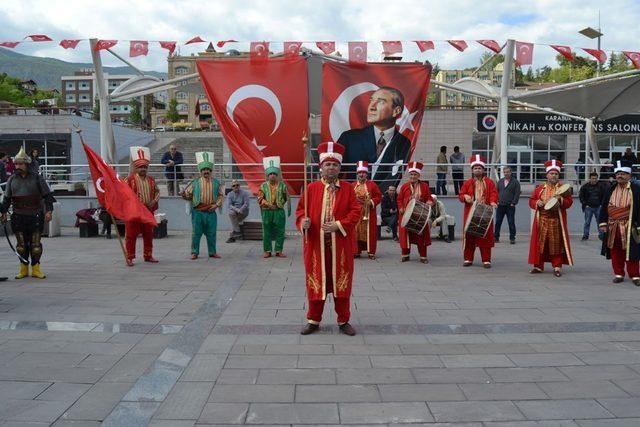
{"x": 10, "y": 45}
{"x": 358, "y": 52}
{"x": 221, "y": 43}
{"x": 424, "y": 45}
{"x": 292, "y": 48}
{"x": 114, "y": 194}
{"x": 391, "y": 47}
{"x": 39, "y": 38}
{"x": 564, "y": 51}
{"x": 104, "y": 44}
{"x": 491, "y": 44}
{"x": 600, "y": 55}
{"x": 259, "y": 51}
{"x": 69, "y": 44}
{"x": 634, "y": 57}
{"x": 196, "y": 39}
{"x": 262, "y": 109}
{"x": 138, "y": 47}
{"x": 524, "y": 53}
{"x": 326, "y": 47}
{"x": 461, "y": 45}
{"x": 170, "y": 46}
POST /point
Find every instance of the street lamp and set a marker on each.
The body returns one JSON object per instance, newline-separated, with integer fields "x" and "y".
{"x": 592, "y": 33}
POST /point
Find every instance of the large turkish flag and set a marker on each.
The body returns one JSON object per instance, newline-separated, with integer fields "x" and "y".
{"x": 346, "y": 94}
{"x": 262, "y": 109}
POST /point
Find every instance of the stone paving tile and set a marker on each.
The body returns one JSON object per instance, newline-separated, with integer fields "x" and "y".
{"x": 624, "y": 422}
{"x": 129, "y": 368}
{"x": 21, "y": 390}
{"x": 502, "y": 391}
{"x": 35, "y": 411}
{"x": 434, "y": 349}
{"x": 474, "y": 411}
{"x": 185, "y": 401}
{"x": 204, "y": 367}
{"x": 252, "y": 393}
{"x": 298, "y": 349}
{"x": 98, "y": 402}
{"x": 599, "y": 372}
{"x": 358, "y": 413}
{"x": 450, "y": 375}
{"x": 375, "y": 376}
{"x": 545, "y": 359}
{"x": 621, "y": 407}
{"x": 420, "y": 392}
{"x": 526, "y": 374}
{"x": 337, "y": 393}
{"x": 563, "y": 409}
{"x": 610, "y": 357}
{"x": 281, "y": 361}
{"x": 371, "y": 349}
{"x": 476, "y": 361}
{"x": 293, "y": 413}
{"x": 296, "y": 376}
{"x": 422, "y": 361}
{"x": 337, "y": 361}
{"x": 237, "y": 376}
{"x": 582, "y": 390}
{"x": 64, "y": 392}
{"x": 553, "y": 423}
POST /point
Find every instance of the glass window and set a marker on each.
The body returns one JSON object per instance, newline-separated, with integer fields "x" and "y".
{"x": 541, "y": 143}
{"x": 84, "y": 85}
{"x": 181, "y": 70}
{"x": 604, "y": 143}
{"x": 558, "y": 142}
{"x": 182, "y": 107}
{"x": 623, "y": 141}
{"x": 202, "y": 97}
{"x": 71, "y": 97}
{"x": 181, "y": 95}
{"x": 84, "y": 98}
{"x": 71, "y": 85}
{"x": 205, "y": 107}
{"x": 519, "y": 141}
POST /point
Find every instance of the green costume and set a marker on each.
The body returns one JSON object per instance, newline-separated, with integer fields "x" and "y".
{"x": 274, "y": 220}
{"x": 203, "y": 221}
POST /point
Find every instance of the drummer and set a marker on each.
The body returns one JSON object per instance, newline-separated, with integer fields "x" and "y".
{"x": 549, "y": 234}
{"x": 418, "y": 190}
{"x": 478, "y": 189}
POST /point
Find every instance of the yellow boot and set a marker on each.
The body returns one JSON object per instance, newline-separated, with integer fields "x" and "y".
{"x": 35, "y": 272}
{"x": 24, "y": 271}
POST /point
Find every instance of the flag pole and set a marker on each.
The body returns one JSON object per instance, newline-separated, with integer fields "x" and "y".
{"x": 124, "y": 252}
{"x": 305, "y": 142}
{"x": 113, "y": 220}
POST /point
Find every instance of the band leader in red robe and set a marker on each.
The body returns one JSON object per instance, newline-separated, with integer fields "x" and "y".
{"x": 414, "y": 189}
{"x": 549, "y": 234}
{"x": 365, "y": 237}
{"x": 328, "y": 256}
{"x": 481, "y": 189}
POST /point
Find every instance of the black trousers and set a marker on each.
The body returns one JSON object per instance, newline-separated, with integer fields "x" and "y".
{"x": 391, "y": 221}
{"x": 458, "y": 179}
{"x": 28, "y": 231}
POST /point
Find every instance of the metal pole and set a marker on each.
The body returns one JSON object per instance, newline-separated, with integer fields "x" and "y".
{"x": 599, "y": 35}
{"x": 107, "y": 142}
{"x": 500, "y": 142}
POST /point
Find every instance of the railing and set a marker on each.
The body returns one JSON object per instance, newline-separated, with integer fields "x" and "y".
{"x": 76, "y": 177}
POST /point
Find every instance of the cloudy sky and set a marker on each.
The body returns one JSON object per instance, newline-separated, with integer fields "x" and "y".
{"x": 538, "y": 21}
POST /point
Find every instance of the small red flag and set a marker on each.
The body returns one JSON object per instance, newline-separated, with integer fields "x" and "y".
{"x": 326, "y": 47}
{"x": 40, "y": 38}
{"x": 491, "y": 44}
{"x": 292, "y": 48}
{"x": 600, "y": 55}
{"x": 114, "y": 194}
{"x": 170, "y": 46}
{"x": 391, "y": 47}
{"x": 461, "y": 45}
{"x": 196, "y": 39}
{"x": 138, "y": 47}
{"x": 69, "y": 44}
{"x": 634, "y": 57}
{"x": 424, "y": 45}
{"x": 10, "y": 45}
{"x": 524, "y": 53}
{"x": 358, "y": 52}
{"x": 104, "y": 44}
{"x": 564, "y": 51}
{"x": 259, "y": 51}
{"x": 221, "y": 43}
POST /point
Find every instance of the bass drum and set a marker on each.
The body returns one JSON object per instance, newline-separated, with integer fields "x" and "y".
{"x": 416, "y": 216}
{"x": 479, "y": 220}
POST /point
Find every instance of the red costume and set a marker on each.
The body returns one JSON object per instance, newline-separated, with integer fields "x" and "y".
{"x": 483, "y": 191}
{"x": 365, "y": 237}
{"x": 409, "y": 191}
{"x": 549, "y": 233}
{"x": 328, "y": 256}
{"x": 149, "y": 195}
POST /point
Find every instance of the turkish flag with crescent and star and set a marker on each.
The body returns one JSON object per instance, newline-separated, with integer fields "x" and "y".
{"x": 564, "y": 51}
{"x": 262, "y": 108}
{"x": 634, "y": 57}
{"x": 114, "y": 194}
{"x": 138, "y": 47}
{"x": 346, "y": 93}
{"x": 524, "y": 53}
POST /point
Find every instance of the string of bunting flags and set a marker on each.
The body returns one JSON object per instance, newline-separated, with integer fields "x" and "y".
{"x": 357, "y": 50}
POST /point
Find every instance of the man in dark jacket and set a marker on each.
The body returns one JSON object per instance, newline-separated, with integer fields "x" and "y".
{"x": 172, "y": 160}
{"x": 389, "y": 210}
{"x": 508, "y": 196}
{"x": 591, "y": 195}
{"x": 619, "y": 220}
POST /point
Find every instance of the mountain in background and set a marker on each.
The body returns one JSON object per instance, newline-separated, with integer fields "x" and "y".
{"x": 46, "y": 72}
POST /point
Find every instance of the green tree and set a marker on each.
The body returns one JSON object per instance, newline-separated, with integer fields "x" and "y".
{"x": 172, "y": 112}
{"x": 134, "y": 112}
{"x": 529, "y": 77}
{"x": 495, "y": 59}
{"x": 96, "y": 109}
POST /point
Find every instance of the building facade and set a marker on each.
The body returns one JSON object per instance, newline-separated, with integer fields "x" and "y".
{"x": 450, "y": 99}
{"x": 79, "y": 92}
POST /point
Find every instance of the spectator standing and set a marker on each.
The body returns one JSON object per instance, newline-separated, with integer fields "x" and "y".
{"x": 591, "y": 195}
{"x": 34, "y": 166}
{"x": 508, "y": 196}
{"x": 457, "y": 172}
{"x": 172, "y": 160}
{"x": 389, "y": 210}
{"x": 441, "y": 171}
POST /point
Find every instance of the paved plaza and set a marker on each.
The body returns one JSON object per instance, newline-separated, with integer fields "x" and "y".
{"x": 185, "y": 343}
